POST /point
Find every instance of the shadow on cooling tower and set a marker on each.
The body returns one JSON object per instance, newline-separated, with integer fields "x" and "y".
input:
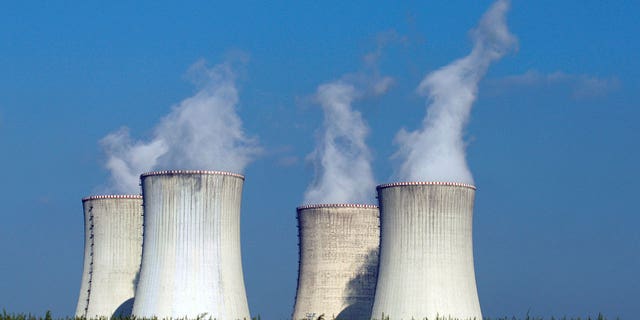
{"x": 359, "y": 292}
{"x": 124, "y": 310}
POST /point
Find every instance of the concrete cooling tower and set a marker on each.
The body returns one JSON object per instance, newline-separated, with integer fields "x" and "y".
{"x": 338, "y": 261}
{"x": 112, "y": 252}
{"x": 191, "y": 263}
{"x": 426, "y": 252}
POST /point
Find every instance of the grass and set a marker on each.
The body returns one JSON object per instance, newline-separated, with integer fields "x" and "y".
{"x": 47, "y": 316}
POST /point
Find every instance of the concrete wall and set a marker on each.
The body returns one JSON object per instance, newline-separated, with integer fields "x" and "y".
{"x": 338, "y": 261}
{"x": 426, "y": 252}
{"x": 113, "y": 249}
{"x": 83, "y": 299}
{"x": 191, "y": 263}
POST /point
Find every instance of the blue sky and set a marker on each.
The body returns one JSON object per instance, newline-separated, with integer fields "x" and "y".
{"x": 552, "y": 139}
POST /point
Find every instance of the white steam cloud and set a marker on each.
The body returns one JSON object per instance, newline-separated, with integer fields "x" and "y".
{"x": 580, "y": 86}
{"x": 341, "y": 157}
{"x": 201, "y": 132}
{"x": 436, "y": 152}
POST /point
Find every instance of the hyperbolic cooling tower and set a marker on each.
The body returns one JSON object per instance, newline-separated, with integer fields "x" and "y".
{"x": 426, "y": 252}
{"x": 191, "y": 263}
{"x": 112, "y": 252}
{"x": 338, "y": 261}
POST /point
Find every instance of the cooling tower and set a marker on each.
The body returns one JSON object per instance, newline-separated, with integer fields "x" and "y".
{"x": 191, "y": 263}
{"x": 112, "y": 252}
{"x": 426, "y": 252}
{"x": 338, "y": 261}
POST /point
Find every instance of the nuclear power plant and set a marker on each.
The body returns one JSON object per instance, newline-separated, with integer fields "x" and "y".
{"x": 112, "y": 252}
{"x": 410, "y": 259}
{"x": 191, "y": 263}
{"x": 176, "y": 249}
{"x": 338, "y": 261}
{"x": 426, "y": 252}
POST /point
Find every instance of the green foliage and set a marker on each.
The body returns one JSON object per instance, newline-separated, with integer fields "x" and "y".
{"x": 526, "y": 317}
{"x": 21, "y": 316}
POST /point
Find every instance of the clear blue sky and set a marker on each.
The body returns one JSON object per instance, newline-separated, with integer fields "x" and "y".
{"x": 553, "y": 137}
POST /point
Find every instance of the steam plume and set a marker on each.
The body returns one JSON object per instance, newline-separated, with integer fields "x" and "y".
{"x": 341, "y": 157}
{"x": 436, "y": 152}
{"x": 201, "y": 132}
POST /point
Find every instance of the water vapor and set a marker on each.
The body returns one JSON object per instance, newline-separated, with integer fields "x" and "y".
{"x": 580, "y": 86}
{"x": 436, "y": 152}
{"x": 341, "y": 158}
{"x": 201, "y": 132}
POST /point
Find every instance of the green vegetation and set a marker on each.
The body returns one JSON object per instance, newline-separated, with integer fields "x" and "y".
{"x": 527, "y": 317}
{"x": 28, "y": 316}
{"x": 21, "y": 316}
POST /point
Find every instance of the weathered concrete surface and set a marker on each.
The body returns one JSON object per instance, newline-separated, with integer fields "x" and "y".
{"x": 338, "y": 261}
{"x": 113, "y": 249}
{"x": 426, "y": 252}
{"x": 191, "y": 262}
